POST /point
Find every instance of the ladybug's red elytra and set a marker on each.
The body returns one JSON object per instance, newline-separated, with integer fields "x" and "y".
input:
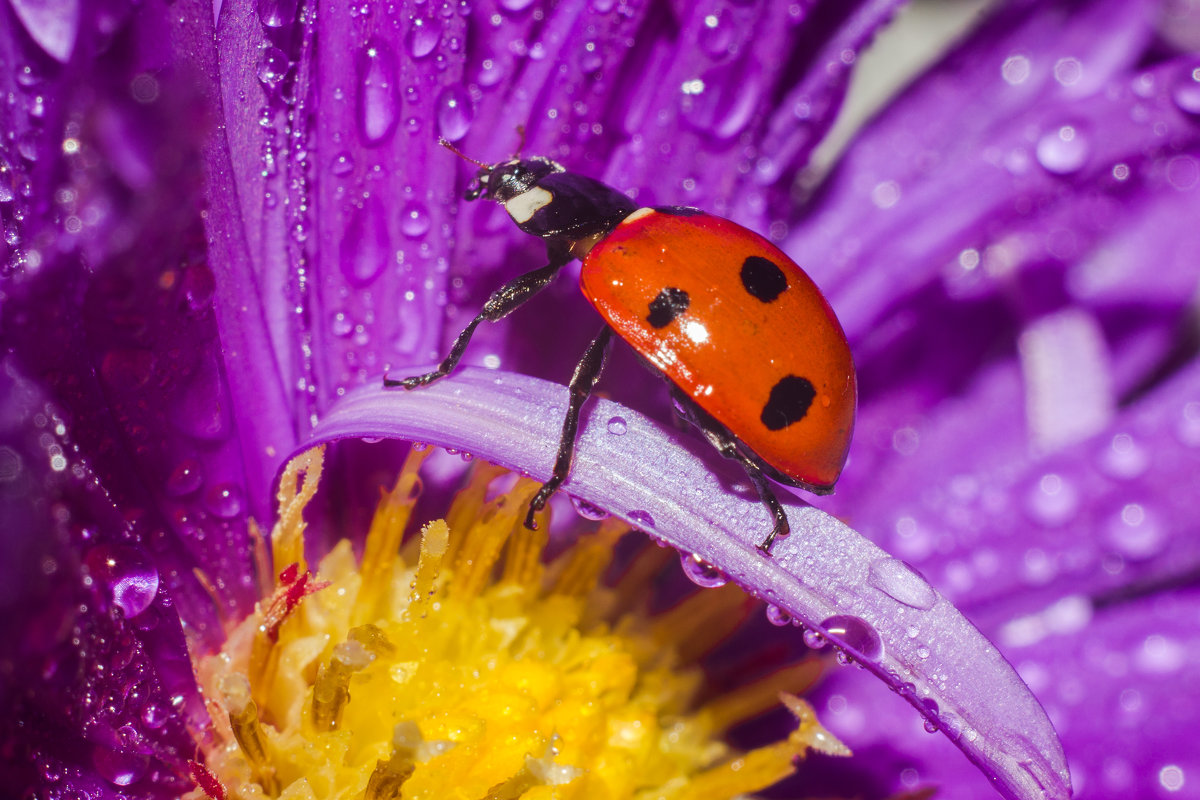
{"x": 754, "y": 355}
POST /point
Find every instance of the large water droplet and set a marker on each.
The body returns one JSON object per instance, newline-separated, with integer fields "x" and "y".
{"x": 588, "y": 511}
{"x": 185, "y": 478}
{"x": 422, "y": 37}
{"x": 225, "y": 500}
{"x": 617, "y": 426}
{"x": 273, "y": 66}
{"x": 378, "y": 104}
{"x": 902, "y": 583}
{"x": 53, "y": 26}
{"x": 700, "y": 572}
{"x": 119, "y": 769}
{"x": 641, "y": 519}
{"x": 1063, "y": 150}
{"x": 1186, "y": 90}
{"x": 455, "y": 112}
{"x": 718, "y": 106}
{"x": 856, "y": 635}
{"x": 366, "y": 247}
{"x": 414, "y": 220}
{"x": 131, "y": 578}
{"x": 277, "y": 13}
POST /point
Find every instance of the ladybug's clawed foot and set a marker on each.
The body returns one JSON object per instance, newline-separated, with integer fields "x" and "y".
{"x": 537, "y": 504}
{"x": 411, "y": 382}
{"x": 782, "y": 528}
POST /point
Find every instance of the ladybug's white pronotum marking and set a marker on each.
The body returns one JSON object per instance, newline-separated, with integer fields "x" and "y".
{"x": 522, "y": 207}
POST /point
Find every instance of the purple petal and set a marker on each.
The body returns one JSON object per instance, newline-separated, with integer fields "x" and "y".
{"x": 824, "y": 574}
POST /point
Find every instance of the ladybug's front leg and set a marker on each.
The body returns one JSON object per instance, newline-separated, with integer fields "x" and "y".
{"x": 504, "y": 301}
{"x": 587, "y": 373}
{"x": 725, "y": 443}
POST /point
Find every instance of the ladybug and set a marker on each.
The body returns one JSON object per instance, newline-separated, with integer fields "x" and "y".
{"x": 754, "y": 356}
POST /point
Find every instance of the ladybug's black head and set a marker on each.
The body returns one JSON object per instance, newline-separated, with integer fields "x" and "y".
{"x": 502, "y": 182}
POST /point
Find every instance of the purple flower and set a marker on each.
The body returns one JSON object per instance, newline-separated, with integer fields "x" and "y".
{"x": 223, "y": 224}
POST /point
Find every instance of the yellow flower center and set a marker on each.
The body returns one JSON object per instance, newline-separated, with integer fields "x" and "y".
{"x": 462, "y": 664}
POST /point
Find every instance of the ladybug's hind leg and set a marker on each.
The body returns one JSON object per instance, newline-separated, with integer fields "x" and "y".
{"x": 587, "y": 374}
{"x": 729, "y": 447}
{"x": 505, "y": 300}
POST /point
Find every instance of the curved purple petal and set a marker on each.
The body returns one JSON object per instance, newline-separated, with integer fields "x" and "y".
{"x": 824, "y": 574}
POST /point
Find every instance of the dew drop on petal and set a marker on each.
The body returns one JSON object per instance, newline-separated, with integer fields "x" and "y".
{"x": 154, "y": 716}
{"x": 422, "y": 38}
{"x": 414, "y": 220}
{"x": 378, "y": 104}
{"x": 185, "y": 478}
{"x": 1124, "y": 457}
{"x": 225, "y": 500}
{"x": 814, "y": 640}
{"x": 617, "y": 426}
{"x": 641, "y": 519}
{"x": 1186, "y": 91}
{"x": 515, "y": 5}
{"x": 455, "y": 112}
{"x": 276, "y": 13}
{"x": 902, "y": 583}
{"x": 343, "y": 163}
{"x": 1052, "y": 500}
{"x": 1136, "y": 532}
{"x": 588, "y": 511}
{"x": 128, "y": 574}
{"x": 700, "y": 572}
{"x": 855, "y": 634}
{"x": 366, "y": 247}
{"x": 778, "y": 617}
{"x": 118, "y": 768}
{"x": 272, "y": 67}
{"x": 1063, "y": 150}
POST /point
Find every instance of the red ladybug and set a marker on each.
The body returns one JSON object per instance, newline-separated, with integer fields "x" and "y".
{"x": 756, "y": 359}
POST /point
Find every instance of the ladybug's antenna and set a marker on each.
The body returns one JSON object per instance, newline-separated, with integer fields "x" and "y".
{"x": 444, "y": 142}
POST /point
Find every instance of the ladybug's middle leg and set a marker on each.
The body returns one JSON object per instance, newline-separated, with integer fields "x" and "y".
{"x": 725, "y": 443}
{"x": 502, "y": 302}
{"x": 587, "y": 373}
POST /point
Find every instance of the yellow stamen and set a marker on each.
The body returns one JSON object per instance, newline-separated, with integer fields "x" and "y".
{"x": 433, "y": 671}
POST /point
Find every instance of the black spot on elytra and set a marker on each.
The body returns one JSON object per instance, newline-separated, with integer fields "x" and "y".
{"x": 763, "y": 278}
{"x": 788, "y": 403}
{"x": 669, "y": 304}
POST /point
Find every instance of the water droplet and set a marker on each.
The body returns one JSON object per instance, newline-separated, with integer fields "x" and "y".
{"x": 119, "y": 769}
{"x": 131, "y": 578}
{"x": 154, "y": 716}
{"x": 855, "y": 634}
{"x": 588, "y": 511}
{"x": 340, "y": 325}
{"x": 1186, "y": 91}
{"x": 930, "y": 726}
{"x": 1136, "y": 532}
{"x": 1124, "y": 457}
{"x": 422, "y": 38}
{"x": 640, "y": 519}
{"x": 718, "y": 105}
{"x": 1063, "y": 150}
{"x": 225, "y": 500}
{"x": 778, "y": 617}
{"x": 366, "y": 247}
{"x": 902, "y": 583}
{"x": 198, "y": 286}
{"x": 185, "y": 478}
{"x": 455, "y": 112}
{"x": 617, "y": 426}
{"x": 700, "y": 572}
{"x": 490, "y": 72}
{"x": 515, "y": 5}
{"x": 814, "y": 640}
{"x": 378, "y": 104}
{"x": 273, "y": 66}
{"x": 1052, "y": 500}
{"x": 53, "y": 27}
{"x": 277, "y": 13}
{"x": 414, "y": 220}
{"x": 343, "y": 164}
